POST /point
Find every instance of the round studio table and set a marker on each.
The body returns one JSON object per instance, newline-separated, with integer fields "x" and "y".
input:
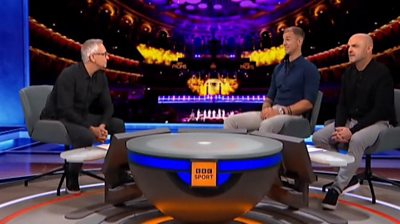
{"x": 204, "y": 176}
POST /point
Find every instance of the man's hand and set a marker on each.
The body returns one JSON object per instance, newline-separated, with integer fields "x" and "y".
{"x": 103, "y": 130}
{"x": 268, "y": 113}
{"x": 100, "y": 132}
{"x": 342, "y": 135}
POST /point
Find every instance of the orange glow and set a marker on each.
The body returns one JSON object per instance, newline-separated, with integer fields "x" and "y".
{"x": 109, "y": 9}
{"x": 246, "y": 221}
{"x": 169, "y": 218}
{"x": 158, "y": 56}
{"x": 128, "y": 19}
{"x": 146, "y": 28}
{"x": 300, "y": 20}
{"x": 159, "y": 220}
{"x": 336, "y": 2}
{"x": 281, "y": 27}
{"x": 267, "y": 56}
{"x": 320, "y": 9}
{"x": 219, "y": 86}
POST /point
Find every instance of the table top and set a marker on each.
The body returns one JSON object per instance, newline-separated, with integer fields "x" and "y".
{"x": 205, "y": 145}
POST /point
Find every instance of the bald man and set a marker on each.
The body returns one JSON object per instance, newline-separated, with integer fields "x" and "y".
{"x": 365, "y": 108}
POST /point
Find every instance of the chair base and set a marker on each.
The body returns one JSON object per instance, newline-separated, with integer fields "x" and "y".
{"x": 369, "y": 177}
{"x": 62, "y": 169}
{"x": 90, "y": 174}
{"x": 52, "y": 172}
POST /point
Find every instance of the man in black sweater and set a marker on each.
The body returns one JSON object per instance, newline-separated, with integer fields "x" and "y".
{"x": 81, "y": 100}
{"x": 365, "y": 108}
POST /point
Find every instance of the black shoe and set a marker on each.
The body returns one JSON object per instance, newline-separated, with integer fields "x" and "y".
{"x": 72, "y": 175}
{"x": 72, "y": 185}
{"x": 353, "y": 184}
{"x": 330, "y": 200}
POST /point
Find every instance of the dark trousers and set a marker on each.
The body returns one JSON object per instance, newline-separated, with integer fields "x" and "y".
{"x": 81, "y": 136}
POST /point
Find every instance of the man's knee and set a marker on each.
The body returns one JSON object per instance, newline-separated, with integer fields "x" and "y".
{"x": 358, "y": 141}
{"x": 228, "y": 123}
{"x": 322, "y": 136}
{"x": 116, "y": 126}
{"x": 316, "y": 137}
{"x": 83, "y": 140}
{"x": 269, "y": 128}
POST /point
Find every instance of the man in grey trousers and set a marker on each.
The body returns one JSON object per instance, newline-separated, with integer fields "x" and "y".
{"x": 365, "y": 108}
{"x": 293, "y": 90}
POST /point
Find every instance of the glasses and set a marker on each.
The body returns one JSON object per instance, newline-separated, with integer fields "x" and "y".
{"x": 105, "y": 54}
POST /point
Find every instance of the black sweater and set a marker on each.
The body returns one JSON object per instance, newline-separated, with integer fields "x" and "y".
{"x": 366, "y": 96}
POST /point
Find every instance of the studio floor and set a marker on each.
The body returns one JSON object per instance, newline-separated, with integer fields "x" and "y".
{"x": 38, "y": 203}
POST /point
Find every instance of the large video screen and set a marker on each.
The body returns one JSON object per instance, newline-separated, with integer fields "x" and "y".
{"x": 161, "y": 72}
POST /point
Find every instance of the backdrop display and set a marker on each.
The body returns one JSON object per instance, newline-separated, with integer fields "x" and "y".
{"x": 14, "y": 59}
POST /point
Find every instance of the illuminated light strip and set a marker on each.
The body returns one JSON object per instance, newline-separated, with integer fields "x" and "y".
{"x": 141, "y": 126}
{"x": 169, "y": 218}
{"x": 6, "y": 145}
{"x": 362, "y": 207}
{"x": 223, "y": 165}
{"x": 249, "y": 164}
{"x": 159, "y": 163}
{"x": 211, "y": 98}
{"x": 41, "y": 205}
{"x": 246, "y": 220}
{"x": 159, "y": 220}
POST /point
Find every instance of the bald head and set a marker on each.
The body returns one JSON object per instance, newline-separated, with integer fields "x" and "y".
{"x": 365, "y": 38}
{"x": 360, "y": 49}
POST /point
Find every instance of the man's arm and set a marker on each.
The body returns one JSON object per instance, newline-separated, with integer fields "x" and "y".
{"x": 266, "y": 110}
{"x": 382, "y": 103}
{"x": 106, "y": 102}
{"x": 311, "y": 86}
{"x": 341, "y": 108}
{"x": 272, "y": 89}
{"x": 65, "y": 99}
{"x": 299, "y": 107}
{"x": 267, "y": 103}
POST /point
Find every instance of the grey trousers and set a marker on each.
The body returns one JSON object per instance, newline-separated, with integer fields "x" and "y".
{"x": 252, "y": 121}
{"x": 359, "y": 141}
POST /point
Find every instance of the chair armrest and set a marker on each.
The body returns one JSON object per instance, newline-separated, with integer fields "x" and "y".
{"x": 50, "y": 131}
{"x": 388, "y": 139}
{"x": 299, "y": 128}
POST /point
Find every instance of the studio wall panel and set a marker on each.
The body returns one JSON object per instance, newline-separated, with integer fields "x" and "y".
{"x": 14, "y": 59}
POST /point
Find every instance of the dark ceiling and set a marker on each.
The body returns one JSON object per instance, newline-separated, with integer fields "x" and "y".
{"x": 216, "y": 18}
{"x": 195, "y": 26}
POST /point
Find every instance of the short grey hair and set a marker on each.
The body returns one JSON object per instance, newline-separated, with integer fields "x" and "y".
{"x": 296, "y": 30}
{"x": 90, "y": 47}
